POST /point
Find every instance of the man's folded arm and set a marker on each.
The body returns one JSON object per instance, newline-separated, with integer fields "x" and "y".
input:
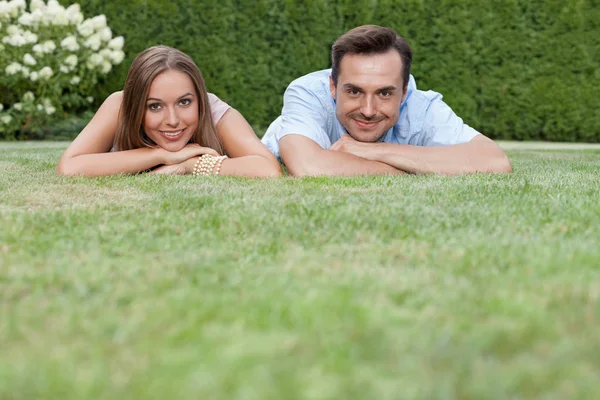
{"x": 304, "y": 157}
{"x": 481, "y": 154}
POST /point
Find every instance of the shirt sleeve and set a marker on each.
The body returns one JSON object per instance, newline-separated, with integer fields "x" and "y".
{"x": 218, "y": 107}
{"x": 304, "y": 114}
{"x": 443, "y": 127}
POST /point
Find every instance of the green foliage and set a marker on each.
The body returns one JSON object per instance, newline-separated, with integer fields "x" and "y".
{"x": 51, "y": 60}
{"x": 513, "y": 69}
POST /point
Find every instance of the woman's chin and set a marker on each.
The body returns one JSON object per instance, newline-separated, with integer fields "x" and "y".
{"x": 173, "y": 146}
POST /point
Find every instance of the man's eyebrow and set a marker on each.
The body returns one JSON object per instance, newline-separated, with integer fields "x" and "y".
{"x": 180, "y": 97}
{"x": 352, "y": 87}
{"x": 387, "y": 89}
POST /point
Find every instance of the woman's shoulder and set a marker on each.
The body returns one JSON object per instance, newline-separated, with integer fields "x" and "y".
{"x": 116, "y": 97}
{"x": 218, "y": 107}
{"x": 112, "y": 102}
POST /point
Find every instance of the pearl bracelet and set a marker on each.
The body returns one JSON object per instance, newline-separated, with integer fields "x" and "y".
{"x": 208, "y": 165}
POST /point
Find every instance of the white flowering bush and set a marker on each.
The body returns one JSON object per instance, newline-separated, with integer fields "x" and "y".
{"x": 50, "y": 61}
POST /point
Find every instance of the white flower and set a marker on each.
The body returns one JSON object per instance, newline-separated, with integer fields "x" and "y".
{"x": 13, "y": 68}
{"x": 64, "y": 69}
{"x": 117, "y": 43}
{"x": 30, "y": 37}
{"x": 105, "y": 53}
{"x": 38, "y": 48}
{"x": 34, "y": 76}
{"x": 94, "y": 60}
{"x": 56, "y": 14}
{"x": 70, "y": 43}
{"x": 50, "y": 110}
{"x": 49, "y": 46}
{"x": 46, "y": 73}
{"x": 86, "y": 28}
{"x": 99, "y": 22}
{"x": 6, "y": 119}
{"x": 15, "y": 7}
{"x": 15, "y": 40}
{"x": 105, "y": 34}
{"x": 27, "y": 19}
{"x": 74, "y": 14}
{"x": 36, "y": 5}
{"x": 18, "y": 106}
{"x": 24, "y": 72}
{"x": 1, "y": 106}
{"x": 40, "y": 107}
{"x": 4, "y": 11}
{"x": 90, "y": 99}
{"x": 71, "y": 60}
{"x": 13, "y": 30}
{"x": 93, "y": 42}
{"x": 28, "y": 97}
{"x": 75, "y": 80}
{"x": 106, "y": 67}
{"x": 38, "y": 17}
{"x": 116, "y": 57}
{"x": 28, "y": 59}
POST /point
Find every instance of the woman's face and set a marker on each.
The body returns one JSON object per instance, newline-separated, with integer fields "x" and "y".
{"x": 171, "y": 115}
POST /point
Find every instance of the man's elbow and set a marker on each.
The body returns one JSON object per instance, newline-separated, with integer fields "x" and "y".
{"x": 499, "y": 164}
{"x": 303, "y": 169}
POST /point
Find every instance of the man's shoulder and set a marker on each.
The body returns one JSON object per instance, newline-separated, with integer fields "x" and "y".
{"x": 316, "y": 83}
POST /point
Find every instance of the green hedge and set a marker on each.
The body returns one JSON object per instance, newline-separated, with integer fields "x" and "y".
{"x": 513, "y": 69}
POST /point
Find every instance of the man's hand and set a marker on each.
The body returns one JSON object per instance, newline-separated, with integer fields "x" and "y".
{"x": 349, "y": 145}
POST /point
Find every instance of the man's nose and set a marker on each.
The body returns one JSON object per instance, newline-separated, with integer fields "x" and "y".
{"x": 367, "y": 107}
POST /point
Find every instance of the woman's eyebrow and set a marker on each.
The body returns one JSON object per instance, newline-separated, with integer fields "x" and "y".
{"x": 180, "y": 97}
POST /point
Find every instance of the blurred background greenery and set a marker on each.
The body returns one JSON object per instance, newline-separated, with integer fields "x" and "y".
{"x": 513, "y": 69}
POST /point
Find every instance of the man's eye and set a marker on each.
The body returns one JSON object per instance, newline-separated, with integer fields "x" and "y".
{"x": 386, "y": 94}
{"x": 353, "y": 92}
{"x": 154, "y": 106}
{"x": 185, "y": 102}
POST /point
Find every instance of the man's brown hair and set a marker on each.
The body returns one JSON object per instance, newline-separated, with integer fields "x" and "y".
{"x": 147, "y": 66}
{"x": 370, "y": 39}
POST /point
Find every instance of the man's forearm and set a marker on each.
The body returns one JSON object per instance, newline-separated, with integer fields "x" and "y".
{"x": 481, "y": 156}
{"x": 331, "y": 163}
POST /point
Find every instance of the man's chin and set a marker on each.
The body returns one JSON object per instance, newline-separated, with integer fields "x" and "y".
{"x": 366, "y": 137}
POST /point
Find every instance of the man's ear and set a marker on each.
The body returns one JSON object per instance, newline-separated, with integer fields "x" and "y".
{"x": 404, "y": 91}
{"x": 332, "y": 87}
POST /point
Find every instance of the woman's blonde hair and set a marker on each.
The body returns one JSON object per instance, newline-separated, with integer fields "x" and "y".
{"x": 147, "y": 66}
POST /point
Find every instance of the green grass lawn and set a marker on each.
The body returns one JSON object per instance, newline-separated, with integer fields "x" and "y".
{"x": 161, "y": 287}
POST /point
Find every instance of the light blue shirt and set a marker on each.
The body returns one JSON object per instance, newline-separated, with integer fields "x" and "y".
{"x": 309, "y": 110}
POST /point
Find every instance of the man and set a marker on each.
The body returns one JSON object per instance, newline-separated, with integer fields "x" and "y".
{"x": 365, "y": 116}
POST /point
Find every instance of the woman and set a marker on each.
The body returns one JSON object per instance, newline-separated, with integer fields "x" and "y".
{"x": 164, "y": 120}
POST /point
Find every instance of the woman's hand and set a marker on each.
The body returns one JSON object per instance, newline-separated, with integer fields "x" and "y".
{"x": 183, "y": 168}
{"x": 189, "y": 151}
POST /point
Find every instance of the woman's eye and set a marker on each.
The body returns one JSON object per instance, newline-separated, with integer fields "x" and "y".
{"x": 154, "y": 106}
{"x": 185, "y": 102}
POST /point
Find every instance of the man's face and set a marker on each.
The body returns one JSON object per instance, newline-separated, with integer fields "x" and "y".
{"x": 368, "y": 94}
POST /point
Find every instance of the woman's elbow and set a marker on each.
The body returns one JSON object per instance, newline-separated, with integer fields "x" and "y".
{"x": 64, "y": 168}
{"x": 271, "y": 170}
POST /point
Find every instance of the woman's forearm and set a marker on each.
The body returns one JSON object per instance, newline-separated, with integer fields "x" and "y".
{"x": 120, "y": 162}
{"x": 251, "y": 166}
